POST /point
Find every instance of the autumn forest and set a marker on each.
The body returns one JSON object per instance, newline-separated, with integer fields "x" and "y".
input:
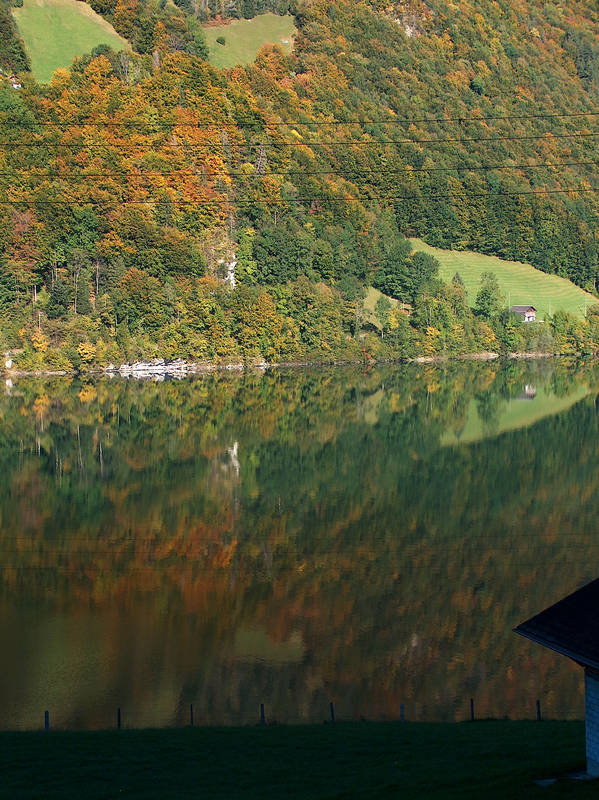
{"x": 154, "y": 206}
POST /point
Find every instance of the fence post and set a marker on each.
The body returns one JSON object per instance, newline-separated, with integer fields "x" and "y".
{"x": 402, "y": 715}
{"x": 46, "y": 720}
{"x": 262, "y": 718}
{"x": 332, "y": 707}
{"x": 472, "y": 709}
{"x": 538, "y": 711}
{"x": 118, "y": 718}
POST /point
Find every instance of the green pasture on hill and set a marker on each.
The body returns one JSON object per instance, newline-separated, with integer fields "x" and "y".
{"x": 57, "y": 31}
{"x": 245, "y": 37}
{"x": 369, "y": 305}
{"x": 521, "y": 283}
{"x": 469, "y": 761}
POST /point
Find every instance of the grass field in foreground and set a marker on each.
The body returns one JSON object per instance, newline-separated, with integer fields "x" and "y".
{"x": 489, "y": 760}
{"x": 521, "y": 283}
{"x": 56, "y": 31}
{"x": 244, "y": 37}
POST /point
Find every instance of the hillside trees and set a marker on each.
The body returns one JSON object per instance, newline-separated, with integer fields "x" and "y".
{"x": 489, "y": 299}
{"x": 160, "y": 27}
{"x": 309, "y": 168}
{"x": 439, "y": 170}
{"x": 13, "y": 57}
{"x": 405, "y": 274}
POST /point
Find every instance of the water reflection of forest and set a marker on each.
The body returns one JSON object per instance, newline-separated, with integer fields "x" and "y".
{"x": 291, "y": 538}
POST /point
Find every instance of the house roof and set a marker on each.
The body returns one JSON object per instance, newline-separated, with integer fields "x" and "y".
{"x": 570, "y": 626}
{"x": 522, "y": 309}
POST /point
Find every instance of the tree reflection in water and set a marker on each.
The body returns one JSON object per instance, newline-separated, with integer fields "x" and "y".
{"x": 369, "y": 537}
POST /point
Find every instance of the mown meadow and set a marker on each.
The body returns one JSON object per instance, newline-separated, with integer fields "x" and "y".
{"x": 521, "y": 284}
{"x": 57, "y": 31}
{"x": 243, "y": 38}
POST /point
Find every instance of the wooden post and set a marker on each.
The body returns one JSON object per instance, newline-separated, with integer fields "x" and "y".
{"x": 539, "y": 711}
{"x": 191, "y": 715}
{"x": 262, "y": 718}
{"x": 402, "y": 715}
{"x": 332, "y": 707}
{"x": 46, "y": 720}
{"x": 472, "y": 709}
{"x": 118, "y": 718}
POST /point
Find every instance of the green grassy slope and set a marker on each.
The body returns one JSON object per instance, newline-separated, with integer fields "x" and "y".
{"x": 56, "y": 31}
{"x": 245, "y": 37}
{"x": 369, "y": 305}
{"x": 490, "y": 760}
{"x": 521, "y": 283}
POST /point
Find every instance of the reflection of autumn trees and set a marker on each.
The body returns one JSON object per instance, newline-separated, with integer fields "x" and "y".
{"x": 401, "y": 564}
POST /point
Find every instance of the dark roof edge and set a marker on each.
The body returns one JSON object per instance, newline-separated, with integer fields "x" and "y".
{"x": 584, "y": 662}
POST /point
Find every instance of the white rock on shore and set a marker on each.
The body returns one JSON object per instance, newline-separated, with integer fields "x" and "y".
{"x": 156, "y": 369}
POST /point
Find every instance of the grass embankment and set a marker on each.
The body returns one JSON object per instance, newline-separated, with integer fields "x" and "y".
{"x": 351, "y": 760}
{"x": 245, "y": 37}
{"x": 521, "y": 283}
{"x": 57, "y": 31}
{"x": 369, "y": 305}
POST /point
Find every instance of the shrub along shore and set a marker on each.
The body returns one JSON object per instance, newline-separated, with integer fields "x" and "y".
{"x": 490, "y": 759}
{"x": 159, "y": 368}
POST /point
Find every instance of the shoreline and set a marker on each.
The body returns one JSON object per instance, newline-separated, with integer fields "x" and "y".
{"x": 179, "y": 368}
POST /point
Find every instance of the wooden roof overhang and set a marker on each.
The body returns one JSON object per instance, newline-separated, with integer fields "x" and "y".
{"x": 570, "y": 626}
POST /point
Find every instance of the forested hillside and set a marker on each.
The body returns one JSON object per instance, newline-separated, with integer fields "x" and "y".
{"x": 133, "y": 185}
{"x": 12, "y": 52}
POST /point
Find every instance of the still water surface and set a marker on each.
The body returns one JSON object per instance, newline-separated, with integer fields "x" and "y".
{"x": 292, "y": 538}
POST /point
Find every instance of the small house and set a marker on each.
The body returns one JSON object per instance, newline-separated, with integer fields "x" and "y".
{"x": 528, "y": 313}
{"x": 571, "y": 627}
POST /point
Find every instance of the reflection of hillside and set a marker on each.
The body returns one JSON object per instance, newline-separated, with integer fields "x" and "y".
{"x": 337, "y": 551}
{"x": 513, "y": 414}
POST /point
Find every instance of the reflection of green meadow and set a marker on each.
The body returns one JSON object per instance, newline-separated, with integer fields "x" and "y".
{"x": 57, "y": 31}
{"x": 245, "y": 37}
{"x": 517, "y": 412}
{"x": 520, "y": 283}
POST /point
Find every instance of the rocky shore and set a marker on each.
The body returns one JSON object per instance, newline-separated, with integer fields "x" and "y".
{"x": 158, "y": 369}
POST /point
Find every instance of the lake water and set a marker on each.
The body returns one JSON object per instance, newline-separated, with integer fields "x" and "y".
{"x": 367, "y": 537}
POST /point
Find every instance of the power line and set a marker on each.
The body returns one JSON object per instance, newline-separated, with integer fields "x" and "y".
{"x": 284, "y": 201}
{"x": 296, "y": 123}
{"x": 333, "y": 143}
{"x": 407, "y": 168}
{"x": 120, "y": 545}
